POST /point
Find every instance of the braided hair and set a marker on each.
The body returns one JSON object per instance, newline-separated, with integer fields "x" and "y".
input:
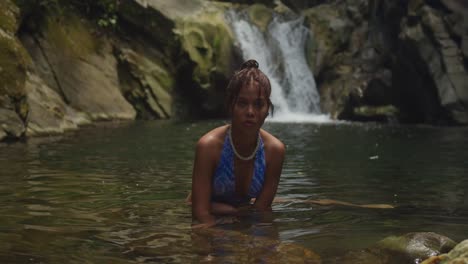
{"x": 249, "y": 74}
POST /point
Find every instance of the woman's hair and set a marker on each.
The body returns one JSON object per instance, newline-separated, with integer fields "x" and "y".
{"x": 249, "y": 74}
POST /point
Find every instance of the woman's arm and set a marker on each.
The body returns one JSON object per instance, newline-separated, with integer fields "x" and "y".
{"x": 203, "y": 169}
{"x": 274, "y": 156}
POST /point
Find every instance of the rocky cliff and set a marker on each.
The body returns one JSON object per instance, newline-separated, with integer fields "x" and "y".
{"x": 391, "y": 61}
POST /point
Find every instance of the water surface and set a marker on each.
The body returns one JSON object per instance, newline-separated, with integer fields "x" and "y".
{"x": 113, "y": 193}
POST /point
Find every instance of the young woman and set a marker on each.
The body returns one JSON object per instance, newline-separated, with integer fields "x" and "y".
{"x": 238, "y": 165}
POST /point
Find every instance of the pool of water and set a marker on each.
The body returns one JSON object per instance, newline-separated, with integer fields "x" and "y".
{"x": 113, "y": 193}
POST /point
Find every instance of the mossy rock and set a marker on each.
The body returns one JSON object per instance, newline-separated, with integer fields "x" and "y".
{"x": 71, "y": 35}
{"x": 9, "y": 15}
{"x": 208, "y": 40}
{"x": 14, "y": 60}
{"x": 330, "y": 33}
{"x": 150, "y": 85}
{"x": 260, "y": 15}
{"x": 370, "y": 111}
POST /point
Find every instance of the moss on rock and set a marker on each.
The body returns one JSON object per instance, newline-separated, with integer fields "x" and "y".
{"x": 260, "y": 15}
{"x": 71, "y": 35}
{"x": 208, "y": 40}
{"x": 14, "y": 60}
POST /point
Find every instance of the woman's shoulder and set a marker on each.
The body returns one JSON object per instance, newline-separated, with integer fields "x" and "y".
{"x": 272, "y": 143}
{"x": 213, "y": 139}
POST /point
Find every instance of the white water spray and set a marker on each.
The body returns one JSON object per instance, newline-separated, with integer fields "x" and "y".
{"x": 280, "y": 54}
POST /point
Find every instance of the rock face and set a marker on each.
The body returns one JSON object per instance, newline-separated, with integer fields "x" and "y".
{"x": 197, "y": 44}
{"x": 390, "y": 61}
{"x": 146, "y": 83}
{"x": 84, "y": 69}
{"x": 403, "y": 55}
{"x": 429, "y": 41}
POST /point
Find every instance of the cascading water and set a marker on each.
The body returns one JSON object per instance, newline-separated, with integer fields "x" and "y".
{"x": 280, "y": 54}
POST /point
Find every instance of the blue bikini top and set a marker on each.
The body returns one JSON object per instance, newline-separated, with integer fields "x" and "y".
{"x": 224, "y": 182}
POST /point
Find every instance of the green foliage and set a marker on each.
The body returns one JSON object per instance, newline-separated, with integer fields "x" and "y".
{"x": 103, "y": 11}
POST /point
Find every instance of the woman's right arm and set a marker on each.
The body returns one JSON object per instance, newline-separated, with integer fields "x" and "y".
{"x": 203, "y": 170}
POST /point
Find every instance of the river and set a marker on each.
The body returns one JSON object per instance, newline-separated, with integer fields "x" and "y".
{"x": 114, "y": 192}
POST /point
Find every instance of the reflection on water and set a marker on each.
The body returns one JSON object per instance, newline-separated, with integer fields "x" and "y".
{"x": 114, "y": 194}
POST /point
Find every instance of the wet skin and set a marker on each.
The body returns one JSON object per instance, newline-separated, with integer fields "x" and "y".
{"x": 248, "y": 115}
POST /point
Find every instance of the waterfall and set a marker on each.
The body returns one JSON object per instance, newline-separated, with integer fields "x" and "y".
{"x": 280, "y": 54}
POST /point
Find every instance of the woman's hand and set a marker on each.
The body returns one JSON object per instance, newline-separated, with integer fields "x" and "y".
{"x": 219, "y": 221}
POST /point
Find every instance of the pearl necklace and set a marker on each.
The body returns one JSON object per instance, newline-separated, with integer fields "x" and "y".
{"x": 251, "y": 156}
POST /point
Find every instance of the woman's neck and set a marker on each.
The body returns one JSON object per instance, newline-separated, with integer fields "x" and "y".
{"x": 244, "y": 141}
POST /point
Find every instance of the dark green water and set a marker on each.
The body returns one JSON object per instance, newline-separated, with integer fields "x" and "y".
{"x": 114, "y": 193}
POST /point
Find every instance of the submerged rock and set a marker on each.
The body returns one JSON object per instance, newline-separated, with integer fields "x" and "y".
{"x": 244, "y": 248}
{"x": 409, "y": 248}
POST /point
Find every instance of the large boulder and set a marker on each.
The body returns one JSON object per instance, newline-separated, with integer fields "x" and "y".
{"x": 197, "y": 40}
{"x": 80, "y": 67}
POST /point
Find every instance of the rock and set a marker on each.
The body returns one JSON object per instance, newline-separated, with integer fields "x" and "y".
{"x": 260, "y": 15}
{"x": 11, "y": 124}
{"x": 150, "y": 86}
{"x": 458, "y": 255}
{"x": 261, "y": 249}
{"x": 14, "y": 64}
{"x": 14, "y": 60}
{"x": 409, "y": 248}
{"x": 440, "y": 55}
{"x": 84, "y": 68}
{"x": 330, "y": 32}
{"x": 48, "y": 113}
{"x": 197, "y": 39}
{"x": 465, "y": 46}
{"x": 375, "y": 113}
{"x": 208, "y": 41}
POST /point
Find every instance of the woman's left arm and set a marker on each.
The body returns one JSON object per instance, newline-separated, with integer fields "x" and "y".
{"x": 274, "y": 157}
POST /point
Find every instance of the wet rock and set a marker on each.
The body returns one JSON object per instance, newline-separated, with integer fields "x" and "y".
{"x": 259, "y": 250}
{"x": 458, "y": 255}
{"x": 11, "y": 125}
{"x": 409, "y": 248}
{"x": 48, "y": 112}
{"x": 386, "y": 113}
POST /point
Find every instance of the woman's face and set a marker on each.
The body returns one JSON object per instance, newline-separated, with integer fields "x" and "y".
{"x": 251, "y": 108}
